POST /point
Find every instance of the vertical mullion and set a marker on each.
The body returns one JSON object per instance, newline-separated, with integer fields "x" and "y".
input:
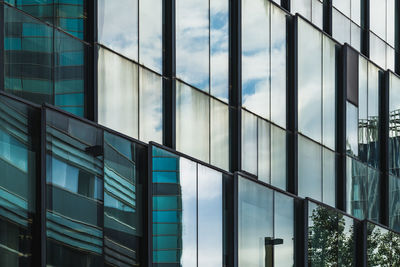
{"x": 41, "y": 191}
{"x": 397, "y": 36}
{"x": 365, "y": 25}
{"x": 327, "y": 16}
{"x": 384, "y": 146}
{"x": 91, "y": 59}
{"x": 2, "y": 38}
{"x": 138, "y": 70}
{"x": 235, "y": 85}
{"x": 169, "y": 67}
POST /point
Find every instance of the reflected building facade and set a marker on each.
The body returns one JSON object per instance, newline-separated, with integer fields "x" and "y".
{"x": 242, "y": 133}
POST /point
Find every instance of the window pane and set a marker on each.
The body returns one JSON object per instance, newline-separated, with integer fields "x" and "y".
{"x": 377, "y": 50}
{"x": 346, "y": 240}
{"x": 343, "y": 6}
{"x": 249, "y": 142}
{"x": 322, "y": 236}
{"x": 309, "y": 169}
{"x": 284, "y": 229}
{"x": 394, "y": 198}
{"x": 123, "y": 178}
{"x": 329, "y": 177}
{"x": 377, "y": 16}
{"x": 302, "y": 7}
{"x": 356, "y": 37}
{"x": 219, "y": 125}
{"x": 192, "y": 42}
{"x": 373, "y": 115}
{"x": 329, "y": 93}
{"x": 118, "y": 26}
{"x": 390, "y": 22}
{"x": 278, "y": 66}
{"x": 317, "y": 13}
{"x": 70, "y": 73}
{"x": 28, "y": 51}
{"x": 17, "y": 184}
{"x": 255, "y": 223}
{"x": 74, "y": 179}
{"x": 219, "y": 57}
{"x": 373, "y": 194}
{"x": 356, "y": 11}
{"x": 340, "y": 27}
{"x": 351, "y": 129}
{"x": 278, "y": 157}
{"x": 394, "y": 134}
{"x": 192, "y": 122}
{"x": 356, "y": 186}
{"x": 150, "y": 99}
{"x": 118, "y": 93}
{"x": 256, "y": 57}
{"x": 210, "y": 218}
{"x": 264, "y": 151}
{"x": 150, "y": 33}
{"x": 309, "y": 80}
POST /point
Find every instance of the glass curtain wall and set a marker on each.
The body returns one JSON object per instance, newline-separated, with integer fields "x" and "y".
{"x": 394, "y": 151}
{"x": 69, "y": 15}
{"x": 383, "y": 246}
{"x": 18, "y": 164}
{"x": 204, "y": 119}
{"x": 382, "y": 33}
{"x": 43, "y": 64}
{"x": 202, "y": 34}
{"x": 264, "y": 60}
{"x": 264, "y": 150}
{"x": 265, "y": 226}
{"x": 130, "y": 97}
{"x": 101, "y": 174}
{"x": 312, "y": 10}
{"x": 317, "y": 83}
{"x": 362, "y": 145}
{"x": 188, "y": 212}
{"x": 346, "y": 22}
{"x": 331, "y": 237}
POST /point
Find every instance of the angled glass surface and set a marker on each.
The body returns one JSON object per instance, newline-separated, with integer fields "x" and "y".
{"x": 328, "y": 177}
{"x": 382, "y": 246}
{"x": 123, "y": 186}
{"x": 356, "y": 188}
{"x": 394, "y": 200}
{"x": 394, "y": 130}
{"x": 28, "y": 52}
{"x": 118, "y": 26}
{"x": 255, "y": 223}
{"x": 74, "y": 179}
{"x": 256, "y": 52}
{"x": 18, "y": 164}
{"x": 219, "y": 135}
{"x": 187, "y": 212}
{"x": 278, "y": 157}
{"x": 249, "y": 143}
{"x": 118, "y": 93}
{"x": 351, "y": 129}
{"x": 309, "y": 80}
{"x": 264, "y": 150}
{"x": 150, "y": 34}
{"x": 193, "y": 43}
{"x": 150, "y": 108}
{"x": 373, "y": 116}
{"x": 219, "y": 49}
{"x": 192, "y": 122}
{"x": 309, "y": 169}
{"x": 69, "y": 73}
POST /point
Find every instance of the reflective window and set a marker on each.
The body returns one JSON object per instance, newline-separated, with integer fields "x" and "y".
{"x": 331, "y": 237}
{"x": 382, "y": 246}
{"x": 310, "y": 9}
{"x": 129, "y": 97}
{"x": 202, "y": 45}
{"x": 265, "y": 230}
{"x": 70, "y": 15}
{"x": 363, "y": 190}
{"x": 316, "y": 84}
{"x": 394, "y": 130}
{"x": 74, "y": 179}
{"x": 204, "y": 119}
{"x": 114, "y": 17}
{"x": 123, "y": 185}
{"x": 264, "y": 150}
{"x": 187, "y": 212}
{"x": 264, "y": 60}
{"x": 394, "y": 202}
{"x": 43, "y": 64}
{"x": 18, "y": 165}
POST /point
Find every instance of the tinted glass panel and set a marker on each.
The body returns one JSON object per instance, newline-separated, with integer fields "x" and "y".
{"x": 249, "y": 142}
{"x": 118, "y": 26}
{"x": 219, "y": 135}
{"x": 118, "y": 93}
{"x": 278, "y": 157}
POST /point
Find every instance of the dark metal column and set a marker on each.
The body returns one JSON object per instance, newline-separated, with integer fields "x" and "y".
{"x": 327, "y": 17}
{"x": 169, "y": 67}
{"x": 365, "y": 27}
{"x": 384, "y": 81}
{"x": 235, "y": 85}
{"x": 91, "y": 59}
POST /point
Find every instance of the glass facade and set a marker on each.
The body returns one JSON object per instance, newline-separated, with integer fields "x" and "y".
{"x": 296, "y": 99}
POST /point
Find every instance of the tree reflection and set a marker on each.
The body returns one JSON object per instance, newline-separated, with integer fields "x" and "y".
{"x": 383, "y": 246}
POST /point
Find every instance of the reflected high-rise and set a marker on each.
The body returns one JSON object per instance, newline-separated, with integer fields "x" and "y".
{"x": 173, "y": 133}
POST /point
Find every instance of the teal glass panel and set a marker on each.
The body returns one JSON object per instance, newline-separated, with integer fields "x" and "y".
{"x": 18, "y": 165}
{"x": 27, "y": 57}
{"x": 69, "y": 85}
{"x": 123, "y": 185}
{"x": 74, "y": 179}
{"x": 394, "y": 202}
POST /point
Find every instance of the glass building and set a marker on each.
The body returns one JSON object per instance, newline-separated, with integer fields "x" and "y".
{"x": 209, "y": 133}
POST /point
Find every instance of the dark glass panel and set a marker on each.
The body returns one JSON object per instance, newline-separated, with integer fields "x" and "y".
{"x": 357, "y": 188}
